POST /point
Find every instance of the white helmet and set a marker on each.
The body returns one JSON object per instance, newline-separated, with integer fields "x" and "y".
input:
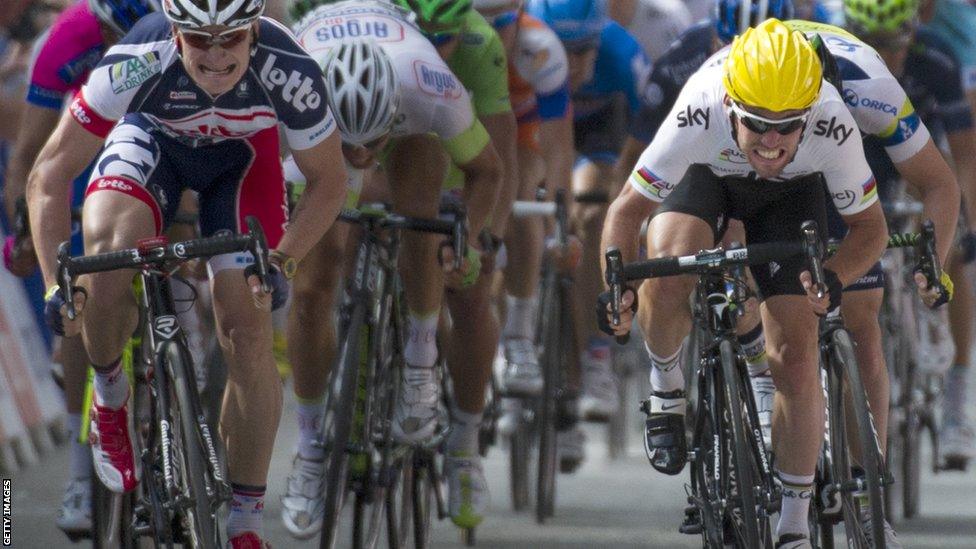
{"x": 204, "y": 13}
{"x": 363, "y": 90}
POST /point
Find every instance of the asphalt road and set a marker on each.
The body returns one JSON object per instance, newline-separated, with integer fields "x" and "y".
{"x": 608, "y": 504}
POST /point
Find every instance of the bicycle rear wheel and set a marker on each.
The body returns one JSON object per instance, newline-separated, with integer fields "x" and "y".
{"x": 200, "y": 519}
{"x": 337, "y": 424}
{"x": 520, "y": 457}
{"x": 111, "y": 518}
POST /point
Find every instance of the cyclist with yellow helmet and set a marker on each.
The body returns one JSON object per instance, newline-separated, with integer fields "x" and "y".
{"x": 752, "y": 136}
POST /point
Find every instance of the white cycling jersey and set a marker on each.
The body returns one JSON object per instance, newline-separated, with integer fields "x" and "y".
{"x": 698, "y": 131}
{"x": 432, "y": 99}
{"x": 657, "y": 23}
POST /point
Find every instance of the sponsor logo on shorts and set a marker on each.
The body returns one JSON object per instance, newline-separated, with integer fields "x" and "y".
{"x": 115, "y": 184}
{"x": 838, "y": 131}
{"x": 296, "y": 88}
{"x": 133, "y": 72}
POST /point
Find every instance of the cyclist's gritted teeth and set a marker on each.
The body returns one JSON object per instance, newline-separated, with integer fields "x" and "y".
{"x": 769, "y": 154}
{"x": 214, "y": 72}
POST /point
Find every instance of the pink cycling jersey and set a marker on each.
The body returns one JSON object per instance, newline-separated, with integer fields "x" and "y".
{"x": 67, "y": 55}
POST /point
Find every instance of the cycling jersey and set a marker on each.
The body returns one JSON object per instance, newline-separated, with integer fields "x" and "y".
{"x": 698, "y": 131}
{"x": 65, "y": 56}
{"x": 480, "y": 64}
{"x": 143, "y": 73}
{"x": 431, "y": 98}
{"x": 955, "y": 22}
{"x": 537, "y": 78}
{"x": 621, "y": 67}
{"x": 657, "y": 23}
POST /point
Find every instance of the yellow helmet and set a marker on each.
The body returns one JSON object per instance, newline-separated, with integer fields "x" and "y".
{"x": 773, "y": 67}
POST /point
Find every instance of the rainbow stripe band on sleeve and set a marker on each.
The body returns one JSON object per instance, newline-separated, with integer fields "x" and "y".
{"x": 869, "y": 190}
{"x": 651, "y": 184}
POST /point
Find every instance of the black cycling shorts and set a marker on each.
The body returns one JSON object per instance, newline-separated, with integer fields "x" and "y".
{"x": 837, "y": 230}
{"x": 771, "y": 211}
{"x": 599, "y": 136}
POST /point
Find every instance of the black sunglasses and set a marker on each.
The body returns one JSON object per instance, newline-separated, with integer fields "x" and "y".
{"x": 760, "y": 125}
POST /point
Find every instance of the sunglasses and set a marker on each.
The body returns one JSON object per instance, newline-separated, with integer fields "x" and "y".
{"x": 504, "y": 19}
{"x": 761, "y": 125}
{"x": 202, "y": 40}
{"x": 440, "y": 38}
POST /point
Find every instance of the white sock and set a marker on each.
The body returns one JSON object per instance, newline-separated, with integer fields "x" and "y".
{"x": 754, "y": 348}
{"x": 520, "y": 317}
{"x": 79, "y": 455}
{"x": 111, "y": 385}
{"x": 246, "y": 510}
{"x": 797, "y": 491}
{"x": 309, "y": 414}
{"x": 421, "y": 348}
{"x": 666, "y": 372}
{"x": 463, "y": 437}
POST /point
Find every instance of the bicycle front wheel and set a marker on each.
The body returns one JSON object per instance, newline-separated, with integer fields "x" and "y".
{"x": 551, "y": 365}
{"x": 337, "y": 424}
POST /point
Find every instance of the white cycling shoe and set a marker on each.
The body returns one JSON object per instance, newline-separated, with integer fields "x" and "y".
{"x": 522, "y": 375}
{"x": 467, "y": 489}
{"x": 416, "y": 415}
{"x": 74, "y": 516}
{"x": 600, "y": 398}
{"x": 303, "y": 505}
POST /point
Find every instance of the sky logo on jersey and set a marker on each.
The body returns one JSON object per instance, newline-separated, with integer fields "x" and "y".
{"x": 839, "y": 132}
{"x": 652, "y": 183}
{"x": 437, "y": 81}
{"x": 133, "y": 72}
{"x": 697, "y": 117}
{"x": 869, "y": 190}
{"x": 296, "y": 88}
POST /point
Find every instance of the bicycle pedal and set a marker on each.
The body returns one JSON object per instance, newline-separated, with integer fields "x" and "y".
{"x": 692, "y": 524}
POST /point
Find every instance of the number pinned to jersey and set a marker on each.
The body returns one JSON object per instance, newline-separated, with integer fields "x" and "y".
{"x": 132, "y": 72}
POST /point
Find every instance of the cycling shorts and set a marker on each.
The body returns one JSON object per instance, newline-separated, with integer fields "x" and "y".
{"x": 233, "y": 178}
{"x": 837, "y": 230}
{"x": 599, "y": 136}
{"x": 770, "y": 211}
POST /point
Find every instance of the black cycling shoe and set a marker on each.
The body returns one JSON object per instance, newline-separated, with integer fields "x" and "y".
{"x": 664, "y": 431}
{"x": 793, "y": 541}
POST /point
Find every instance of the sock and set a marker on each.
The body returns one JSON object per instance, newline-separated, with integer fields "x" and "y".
{"x": 246, "y": 510}
{"x": 754, "y": 348}
{"x": 797, "y": 491}
{"x": 309, "y": 413}
{"x": 463, "y": 437}
{"x": 79, "y": 455}
{"x": 520, "y": 317}
{"x": 111, "y": 385}
{"x": 421, "y": 348}
{"x": 666, "y": 374}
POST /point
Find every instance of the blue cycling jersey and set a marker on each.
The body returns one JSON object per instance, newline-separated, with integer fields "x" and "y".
{"x": 621, "y": 67}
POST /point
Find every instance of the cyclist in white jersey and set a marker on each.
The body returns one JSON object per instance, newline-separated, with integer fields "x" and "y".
{"x": 654, "y": 23}
{"x": 756, "y": 149}
{"x": 396, "y": 101}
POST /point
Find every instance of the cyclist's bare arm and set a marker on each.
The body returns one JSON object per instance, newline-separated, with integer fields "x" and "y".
{"x": 30, "y": 139}
{"x": 482, "y": 178}
{"x": 65, "y": 154}
{"x": 503, "y": 131}
{"x": 557, "y": 150}
{"x": 865, "y": 242}
{"x": 325, "y": 192}
{"x": 623, "y": 223}
{"x": 936, "y": 185}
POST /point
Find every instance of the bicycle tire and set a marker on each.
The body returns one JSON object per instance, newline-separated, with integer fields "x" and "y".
{"x": 111, "y": 518}
{"x": 519, "y": 459}
{"x": 704, "y": 490}
{"x": 741, "y": 461}
{"x": 201, "y": 516}
{"x": 422, "y": 497}
{"x": 550, "y": 363}
{"x": 867, "y": 437}
{"x": 911, "y": 459}
{"x": 337, "y": 425}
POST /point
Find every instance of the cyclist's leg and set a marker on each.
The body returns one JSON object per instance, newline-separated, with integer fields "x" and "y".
{"x": 250, "y": 183}
{"x": 860, "y": 309}
{"x": 474, "y": 339}
{"x": 957, "y": 428}
{"x": 415, "y": 168}
{"x": 131, "y": 193}
{"x": 523, "y": 245}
